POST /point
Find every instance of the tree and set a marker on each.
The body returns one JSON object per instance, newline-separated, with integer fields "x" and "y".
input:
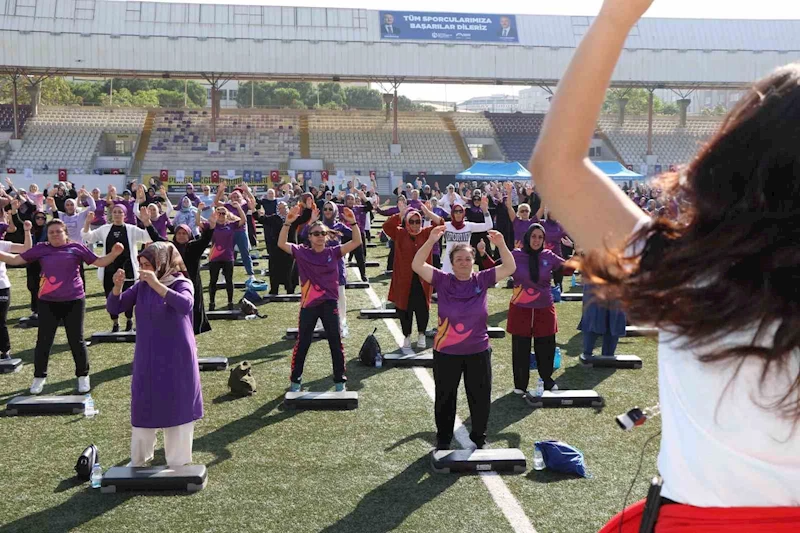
{"x": 124, "y": 98}
{"x": 718, "y": 111}
{"x": 286, "y": 97}
{"x": 637, "y": 102}
{"x": 331, "y": 92}
{"x": 57, "y": 91}
{"x": 87, "y": 91}
{"x": 363, "y": 98}
{"x": 168, "y": 98}
{"x": 329, "y": 105}
{"x": 306, "y": 90}
{"x": 670, "y": 109}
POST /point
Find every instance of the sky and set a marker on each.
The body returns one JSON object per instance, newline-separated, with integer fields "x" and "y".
{"x": 730, "y": 9}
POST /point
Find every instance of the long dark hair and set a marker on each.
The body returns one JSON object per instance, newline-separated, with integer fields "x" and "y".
{"x": 732, "y": 260}
{"x": 533, "y": 255}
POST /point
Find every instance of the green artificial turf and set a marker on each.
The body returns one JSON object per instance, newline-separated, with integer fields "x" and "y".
{"x": 272, "y": 469}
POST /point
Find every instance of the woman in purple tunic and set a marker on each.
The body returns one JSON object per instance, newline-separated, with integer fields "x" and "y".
{"x": 318, "y": 266}
{"x": 555, "y": 237}
{"x": 61, "y": 297}
{"x": 531, "y": 313}
{"x": 165, "y": 388}
{"x": 461, "y": 345}
{"x": 520, "y": 219}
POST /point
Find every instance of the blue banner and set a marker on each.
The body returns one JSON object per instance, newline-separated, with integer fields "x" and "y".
{"x": 258, "y": 176}
{"x": 420, "y": 25}
{"x": 246, "y": 176}
{"x": 197, "y": 176}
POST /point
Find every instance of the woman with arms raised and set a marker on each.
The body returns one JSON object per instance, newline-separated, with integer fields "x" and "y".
{"x": 729, "y": 345}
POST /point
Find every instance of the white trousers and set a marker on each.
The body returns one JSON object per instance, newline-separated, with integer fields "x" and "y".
{"x": 342, "y": 307}
{"x": 177, "y": 445}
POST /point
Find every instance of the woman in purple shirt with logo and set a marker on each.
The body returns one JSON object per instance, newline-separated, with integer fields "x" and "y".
{"x": 555, "y": 237}
{"x": 531, "y": 313}
{"x": 318, "y": 266}
{"x": 461, "y": 345}
{"x": 221, "y": 256}
{"x": 61, "y": 297}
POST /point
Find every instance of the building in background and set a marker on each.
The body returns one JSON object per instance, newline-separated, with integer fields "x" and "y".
{"x": 496, "y": 103}
{"x": 534, "y": 100}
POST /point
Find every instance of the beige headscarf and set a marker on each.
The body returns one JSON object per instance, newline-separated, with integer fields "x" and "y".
{"x": 166, "y": 261}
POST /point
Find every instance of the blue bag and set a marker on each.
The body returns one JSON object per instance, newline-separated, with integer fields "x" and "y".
{"x": 556, "y": 360}
{"x": 561, "y": 457}
{"x": 556, "y": 292}
{"x": 256, "y": 286}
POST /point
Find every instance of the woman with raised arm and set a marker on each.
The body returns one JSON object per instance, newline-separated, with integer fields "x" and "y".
{"x": 729, "y": 346}
{"x": 5, "y": 287}
{"x": 459, "y": 231}
{"x": 61, "y": 297}
{"x": 165, "y": 386}
{"x": 461, "y": 345}
{"x": 319, "y": 286}
{"x": 221, "y": 256}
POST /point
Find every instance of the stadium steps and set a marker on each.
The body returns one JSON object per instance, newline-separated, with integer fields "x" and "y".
{"x": 144, "y": 142}
{"x": 600, "y": 133}
{"x": 305, "y": 144}
{"x": 461, "y": 146}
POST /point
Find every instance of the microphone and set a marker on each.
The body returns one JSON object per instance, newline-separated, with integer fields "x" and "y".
{"x": 637, "y": 417}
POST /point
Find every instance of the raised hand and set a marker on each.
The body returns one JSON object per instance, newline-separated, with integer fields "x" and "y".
{"x": 314, "y": 214}
{"x": 27, "y": 225}
{"x": 294, "y": 213}
{"x": 118, "y": 249}
{"x": 89, "y": 217}
{"x": 509, "y": 188}
{"x": 481, "y": 246}
{"x": 214, "y": 217}
{"x": 496, "y": 238}
{"x": 147, "y": 276}
{"x": 119, "y": 279}
{"x": 349, "y": 216}
{"x": 201, "y": 206}
{"x": 485, "y": 204}
{"x": 436, "y": 233}
{"x": 625, "y": 11}
{"x": 144, "y": 215}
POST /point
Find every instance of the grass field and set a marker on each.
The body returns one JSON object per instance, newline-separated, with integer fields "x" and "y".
{"x": 280, "y": 470}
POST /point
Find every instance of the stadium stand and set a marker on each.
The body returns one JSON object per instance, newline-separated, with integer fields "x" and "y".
{"x": 68, "y": 137}
{"x": 517, "y": 133}
{"x": 248, "y": 140}
{"x": 7, "y": 116}
{"x": 359, "y": 142}
{"x": 473, "y": 125}
{"x": 672, "y": 144}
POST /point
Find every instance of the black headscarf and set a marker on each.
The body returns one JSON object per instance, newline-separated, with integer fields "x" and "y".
{"x": 533, "y": 255}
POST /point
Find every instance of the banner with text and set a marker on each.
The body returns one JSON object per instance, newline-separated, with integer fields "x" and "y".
{"x": 419, "y": 25}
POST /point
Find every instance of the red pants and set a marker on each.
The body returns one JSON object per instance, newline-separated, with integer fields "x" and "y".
{"x": 527, "y": 322}
{"x": 676, "y": 518}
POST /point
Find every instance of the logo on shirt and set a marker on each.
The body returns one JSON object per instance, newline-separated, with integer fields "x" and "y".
{"x": 523, "y": 296}
{"x": 310, "y": 293}
{"x": 449, "y": 335}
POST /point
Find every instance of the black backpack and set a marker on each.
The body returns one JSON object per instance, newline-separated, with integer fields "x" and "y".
{"x": 370, "y": 349}
{"x": 90, "y": 456}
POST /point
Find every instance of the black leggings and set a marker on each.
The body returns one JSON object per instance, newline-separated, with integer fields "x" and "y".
{"x": 50, "y": 313}
{"x": 328, "y": 312}
{"x": 360, "y": 254}
{"x": 108, "y": 286}
{"x": 5, "y": 300}
{"x": 545, "y": 349}
{"x": 390, "y": 260}
{"x": 227, "y": 271}
{"x": 416, "y": 305}
{"x": 33, "y": 273}
{"x": 447, "y": 370}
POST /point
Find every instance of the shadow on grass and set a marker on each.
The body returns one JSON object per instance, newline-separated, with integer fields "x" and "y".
{"x": 386, "y": 507}
{"x": 84, "y": 506}
{"x": 545, "y": 477}
{"x": 574, "y": 347}
{"x": 265, "y": 353}
{"x": 495, "y": 319}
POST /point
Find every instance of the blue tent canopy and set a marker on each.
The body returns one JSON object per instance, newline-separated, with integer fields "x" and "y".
{"x": 617, "y": 172}
{"x": 494, "y": 171}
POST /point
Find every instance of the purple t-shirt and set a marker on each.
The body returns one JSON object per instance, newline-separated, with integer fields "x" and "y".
{"x": 553, "y": 233}
{"x": 160, "y": 225}
{"x": 527, "y": 293}
{"x": 319, "y": 274}
{"x": 222, "y": 242}
{"x": 232, "y": 210}
{"x": 360, "y": 214}
{"x": 130, "y": 216}
{"x": 60, "y": 279}
{"x": 520, "y": 227}
{"x": 463, "y": 312}
{"x": 100, "y": 213}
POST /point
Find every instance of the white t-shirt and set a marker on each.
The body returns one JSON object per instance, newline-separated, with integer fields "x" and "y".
{"x": 721, "y": 444}
{"x": 5, "y": 246}
{"x": 453, "y": 236}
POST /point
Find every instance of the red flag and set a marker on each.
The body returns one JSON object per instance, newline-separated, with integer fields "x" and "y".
{"x": 324, "y": 175}
{"x": 164, "y": 175}
{"x": 62, "y": 174}
{"x": 372, "y": 174}
{"x": 423, "y": 174}
{"x": 11, "y": 171}
{"x": 215, "y": 176}
{"x": 275, "y": 176}
{"x": 115, "y": 171}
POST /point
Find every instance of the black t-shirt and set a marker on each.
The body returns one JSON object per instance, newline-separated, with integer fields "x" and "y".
{"x": 119, "y": 234}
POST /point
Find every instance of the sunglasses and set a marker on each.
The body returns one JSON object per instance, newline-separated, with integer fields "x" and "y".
{"x": 327, "y": 209}
{"x": 457, "y": 211}
{"x": 414, "y": 222}
{"x": 318, "y": 233}
{"x": 41, "y": 218}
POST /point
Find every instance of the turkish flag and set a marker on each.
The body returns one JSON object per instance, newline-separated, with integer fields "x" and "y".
{"x": 275, "y": 176}
{"x": 372, "y": 174}
{"x": 164, "y": 175}
{"x": 423, "y": 174}
{"x": 324, "y": 175}
{"x": 62, "y": 174}
{"x": 11, "y": 171}
{"x": 215, "y": 176}
{"x": 115, "y": 171}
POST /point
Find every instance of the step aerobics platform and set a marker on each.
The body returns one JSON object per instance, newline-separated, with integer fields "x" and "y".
{"x": 189, "y": 478}
{"x": 357, "y": 285}
{"x": 615, "y": 361}
{"x": 409, "y": 359}
{"x": 566, "y": 398}
{"x": 8, "y": 366}
{"x": 641, "y": 331}
{"x": 212, "y": 363}
{"x": 284, "y": 297}
{"x": 46, "y": 405}
{"x": 487, "y": 460}
{"x": 321, "y": 400}
{"x": 367, "y": 264}
{"x": 107, "y": 336}
{"x": 292, "y": 333}
{"x": 378, "y": 313}
{"x": 235, "y": 314}
{"x": 572, "y": 297}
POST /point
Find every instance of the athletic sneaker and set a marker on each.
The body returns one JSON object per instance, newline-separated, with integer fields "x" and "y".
{"x": 5, "y": 355}
{"x": 519, "y": 392}
{"x": 211, "y": 306}
{"x": 230, "y": 306}
{"x": 294, "y": 387}
{"x": 345, "y": 331}
{"x": 129, "y": 325}
{"x": 341, "y": 387}
{"x": 555, "y": 388}
{"x": 421, "y": 341}
{"x": 407, "y": 343}
{"x": 38, "y": 385}
{"x": 83, "y": 384}
{"x": 115, "y": 327}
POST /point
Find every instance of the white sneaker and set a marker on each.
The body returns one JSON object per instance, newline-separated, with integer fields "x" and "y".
{"x": 83, "y": 384}
{"x": 519, "y": 392}
{"x": 407, "y": 343}
{"x": 38, "y": 385}
{"x": 555, "y": 388}
{"x": 421, "y": 342}
{"x": 345, "y": 331}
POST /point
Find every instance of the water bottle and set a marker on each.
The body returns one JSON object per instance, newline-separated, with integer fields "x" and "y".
{"x": 557, "y": 360}
{"x": 251, "y": 317}
{"x": 540, "y": 388}
{"x": 88, "y": 406}
{"x": 97, "y": 476}
{"x": 378, "y": 360}
{"x": 533, "y": 365}
{"x": 538, "y": 460}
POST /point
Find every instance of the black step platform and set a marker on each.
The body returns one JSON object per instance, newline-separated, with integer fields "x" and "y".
{"x": 487, "y": 460}
{"x": 409, "y": 359}
{"x": 371, "y": 245}
{"x": 212, "y": 363}
{"x": 107, "y": 336}
{"x": 189, "y": 478}
{"x": 566, "y": 398}
{"x": 640, "y": 331}
{"x": 616, "y": 361}
{"x": 239, "y": 263}
{"x": 8, "y": 366}
{"x": 236, "y": 285}
{"x": 284, "y": 297}
{"x": 46, "y": 405}
{"x": 572, "y": 297}
{"x": 27, "y": 322}
{"x": 236, "y": 314}
{"x": 291, "y": 333}
{"x": 378, "y": 313}
{"x": 357, "y": 285}
{"x": 388, "y": 273}
{"x": 366, "y": 263}
{"x": 321, "y": 400}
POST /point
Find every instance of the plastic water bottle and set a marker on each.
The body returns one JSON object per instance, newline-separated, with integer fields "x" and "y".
{"x": 97, "y": 476}
{"x": 540, "y": 388}
{"x": 557, "y": 360}
{"x": 88, "y": 407}
{"x": 538, "y": 460}
{"x": 378, "y": 360}
{"x": 251, "y": 317}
